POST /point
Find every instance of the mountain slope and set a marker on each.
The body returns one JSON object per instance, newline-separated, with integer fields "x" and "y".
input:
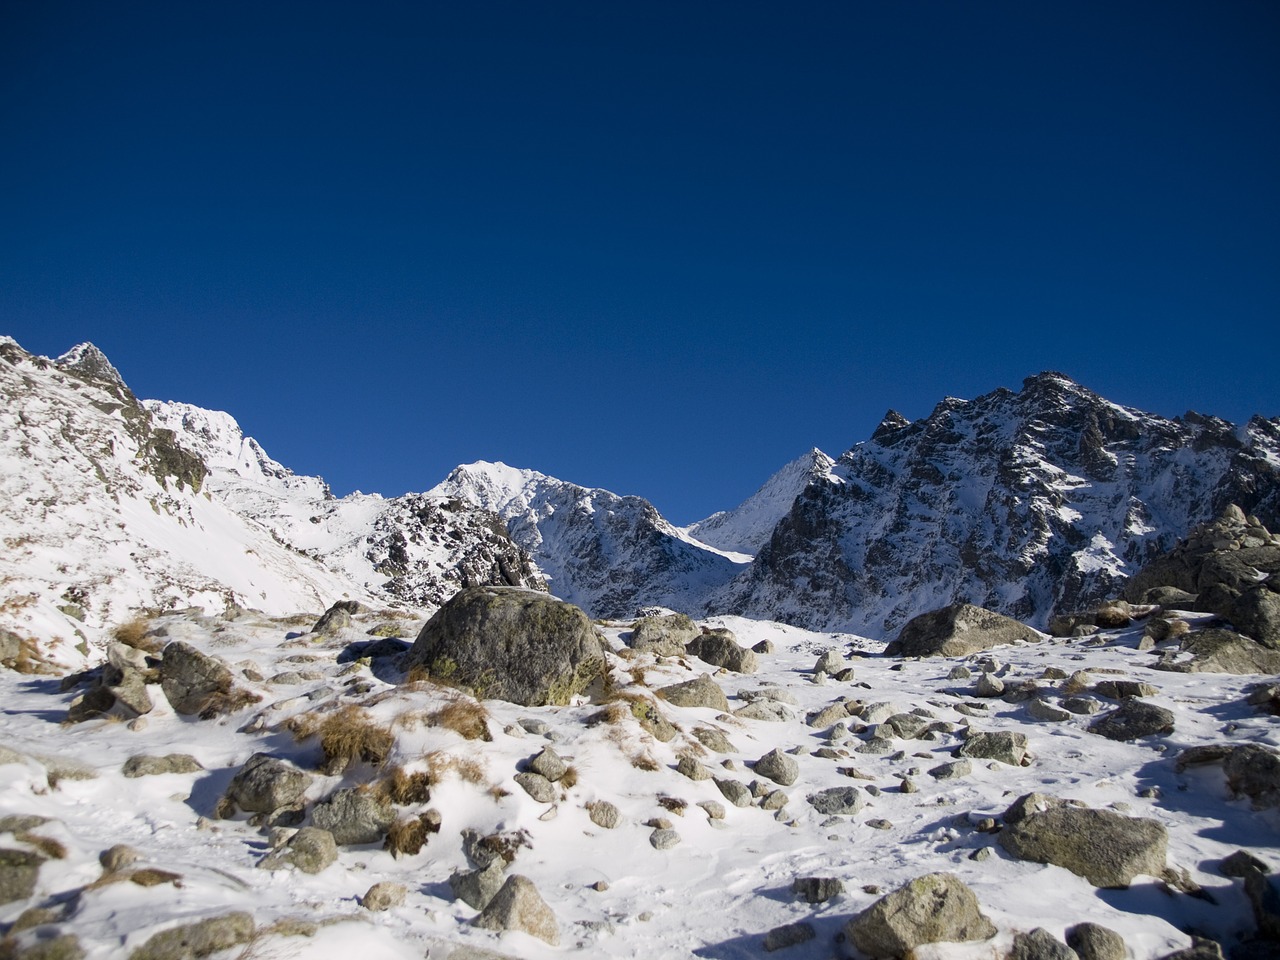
{"x": 1027, "y": 503}
{"x": 608, "y": 554}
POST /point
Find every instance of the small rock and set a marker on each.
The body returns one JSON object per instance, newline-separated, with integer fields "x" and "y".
{"x": 537, "y": 786}
{"x": 837, "y": 801}
{"x": 692, "y": 769}
{"x": 198, "y": 939}
{"x": 549, "y": 764}
{"x": 604, "y": 814}
{"x": 19, "y": 870}
{"x": 477, "y": 887}
{"x": 310, "y": 850}
{"x": 789, "y": 935}
{"x": 1091, "y": 941}
{"x": 384, "y": 896}
{"x": 1044, "y": 710}
{"x": 118, "y": 857}
{"x": 1133, "y": 719}
{"x": 952, "y": 771}
{"x": 816, "y": 889}
{"x": 989, "y": 685}
{"x": 934, "y": 908}
{"x": 714, "y": 809}
{"x": 663, "y": 839}
{"x": 148, "y": 766}
{"x": 735, "y": 792}
{"x": 778, "y": 767}
{"x": 1005, "y": 746}
{"x": 1040, "y": 944}
{"x": 701, "y": 691}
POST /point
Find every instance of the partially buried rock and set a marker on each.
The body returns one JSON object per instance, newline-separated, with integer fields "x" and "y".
{"x": 701, "y": 691}
{"x": 816, "y": 889}
{"x": 536, "y": 786}
{"x": 336, "y": 619}
{"x": 354, "y": 816}
{"x": 665, "y": 636}
{"x": 1222, "y": 651}
{"x": 603, "y": 814}
{"x": 1091, "y": 941}
{"x": 1040, "y": 944}
{"x": 198, "y": 939}
{"x": 264, "y": 785}
{"x": 957, "y": 631}
{"x": 789, "y": 935}
{"x": 1133, "y": 719}
{"x": 194, "y": 682}
{"x": 478, "y": 887}
{"x": 720, "y": 648}
{"x": 512, "y": 644}
{"x": 935, "y": 908}
{"x": 1004, "y": 745}
{"x": 1104, "y": 847}
{"x": 778, "y": 767}
{"x": 310, "y": 850}
{"x": 148, "y": 766}
{"x": 19, "y": 870}
{"x": 837, "y": 801}
{"x": 733, "y": 791}
{"x": 519, "y": 906}
{"x": 383, "y": 896}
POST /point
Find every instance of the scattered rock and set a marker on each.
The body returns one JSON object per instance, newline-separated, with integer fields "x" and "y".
{"x": 769, "y": 711}
{"x": 476, "y": 888}
{"x": 831, "y": 714}
{"x": 354, "y": 816}
{"x": 118, "y": 857}
{"x": 701, "y": 691}
{"x": 714, "y": 809}
{"x": 19, "y": 871}
{"x": 778, "y": 767}
{"x": 665, "y": 636}
{"x": 720, "y": 648}
{"x": 1091, "y": 941}
{"x": 664, "y": 839}
{"x": 1040, "y": 944}
{"x": 336, "y": 619}
{"x": 1222, "y": 651}
{"x": 1124, "y": 689}
{"x": 957, "y": 631}
{"x": 194, "y": 682}
{"x": 537, "y": 786}
{"x": 735, "y": 792}
{"x": 788, "y": 935}
{"x": 265, "y": 785}
{"x": 837, "y": 801}
{"x": 1046, "y": 711}
{"x": 764, "y": 646}
{"x": 549, "y": 764}
{"x": 989, "y": 685}
{"x": 692, "y": 769}
{"x": 518, "y": 906}
{"x": 198, "y": 939}
{"x": 714, "y": 740}
{"x": 604, "y": 814}
{"x": 952, "y": 771}
{"x": 1005, "y": 746}
{"x": 148, "y": 766}
{"x": 384, "y": 896}
{"x": 816, "y": 889}
{"x": 1133, "y": 719}
{"x": 310, "y": 850}
{"x": 935, "y": 908}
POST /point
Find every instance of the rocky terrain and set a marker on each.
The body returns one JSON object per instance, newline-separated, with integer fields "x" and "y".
{"x": 244, "y": 718}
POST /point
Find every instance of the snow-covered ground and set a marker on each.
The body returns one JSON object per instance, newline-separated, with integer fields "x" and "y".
{"x": 715, "y": 893}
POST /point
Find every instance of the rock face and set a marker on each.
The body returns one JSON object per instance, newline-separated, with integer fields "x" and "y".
{"x": 1105, "y": 848}
{"x": 1222, "y": 651}
{"x": 957, "y": 631}
{"x": 935, "y": 908}
{"x": 510, "y": 644}
{"x": 519, "y": 906}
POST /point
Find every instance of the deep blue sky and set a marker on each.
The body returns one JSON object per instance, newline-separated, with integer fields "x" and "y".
{"x": 657, "y": 247}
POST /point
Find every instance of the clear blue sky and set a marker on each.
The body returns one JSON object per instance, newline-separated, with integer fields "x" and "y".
{"x": 657, "y": 247}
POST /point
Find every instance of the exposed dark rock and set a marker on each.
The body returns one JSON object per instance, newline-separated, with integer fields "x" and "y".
{"x": 19, "y": 871}
{"x": 336, "y": 619}
{"x": 194, "y": 682}
{"x": 720, "y": 649}
{"x": 264, "y": 785}
{"x": 354, "y": 816}
{"x": 788, "y": 935}
{"x": 816, "y": 889}
{"x": 1222, "y": 651}
{"x": 1004, "y": 745}
{"x": 1133, "y": 719}
{"x": 957, "y": 631}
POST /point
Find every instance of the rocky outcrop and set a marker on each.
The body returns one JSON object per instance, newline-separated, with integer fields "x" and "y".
{"x": 957, "y": 630}
{"x": 510, "y": 644}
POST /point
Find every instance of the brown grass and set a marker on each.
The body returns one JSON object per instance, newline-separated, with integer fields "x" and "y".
{"x": 637, "y": 675}
{"x": 410, "y": 835}
{"x": 467, "y": 769}
{"x": 351, "y": 734}
{"x": 403, "y": 788}
{"x": 674, "y": 804}
{"x": 133, "y": 633}
{"x": 47, "y": 845}
{"x": 570, "y": 778}
{"x": 465, "y": 717}
{"x": 646, "y": 761}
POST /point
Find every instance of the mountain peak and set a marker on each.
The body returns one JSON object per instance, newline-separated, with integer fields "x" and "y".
{"x": 91, "y": 363}
{"x": 891, "y": 422}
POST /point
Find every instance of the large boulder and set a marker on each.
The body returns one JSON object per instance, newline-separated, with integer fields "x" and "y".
{"x": 265, "y": 785}
{"x": 665, "y": 636}
{"x": 957, "y": 631}
{"x": 1132, "y": 720}
{"x": 701, "y": 691}
{"x": 1252, "y": 769}
{"x": 508, "y": 643}
{"x": 720, "y": 648}
{"x": 354, "y": 816}
{"x": 1221, "y": 651}
{"x": 518, "y": 906}
{"x": 1104, "y": 847}
{"x": 935, "y": 908}
{"x": 193, "y": 681}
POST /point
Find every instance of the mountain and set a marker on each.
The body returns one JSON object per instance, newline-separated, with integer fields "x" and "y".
{"x": 607, "y": 553}
{"x": 1028, "y": 503}
{"x": 747, "y": 527}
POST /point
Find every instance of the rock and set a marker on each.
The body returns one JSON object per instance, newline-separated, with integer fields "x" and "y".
{"x": 1253, "y": 771}
{"x": 904, "y": 726}
{"x": 733, "y": 791}
{"x": 384, "y": 896}
{"x": 1040, "y": 944}
{"x": 518, "y": 906}
{"x": 1223, "y": 651}
{"x": 1240, "y": 864}
{"x": 310, "y": 850}
{"x": 476, "y": 888}
{"x": 193, "y": 682}
{"x": 142, "y": 765}
{"x": 651, "y": 720}
{"x": 63, "y": 947}
{"x": 118, "y": 857}
{"x": 952, "y": 771}
{"x": 509, "y": 643}
{"x": 1113, "y": 614}
{"x": 663, "y": 839}
{"x": 714, "y": 739}
{"x": 1082, "y": 706}
{"x": 1005, "y": 746}
{"x": 988, "y": 685}
{"x": 1105, "y": 848}
{"x": 1264, "y": 896}
{"x": 957, "y": 630}
{"x": 549, "y": 764}
{"x": 336, "y": 619}
{"x": 830, "y": 662}
{"x": 774, "y": 800}
{"x": 1091, "y": 941}
{"x": 828, "y": 715}
{"x": 19, "y": 871}
{"x": 720, "y": 649}
{"x": 701, "y": 691}
{"x": 1256, "y": 613}
{"x": 714, "y": 809}
{"x": 764, "y": 646}
{"x": 769, "y": 711}
{"x": 935, "y": 908}
{"x": 1044, "y": 710}
{"x": 604, "y": 814}
{"x": 837, "y": 801}
{"x": 691, "y": 768}
{"x": 198, "y": 939}
{"x": 1133, "y": 719}
{"x": 778, "y": 767}
{"x": 788, "y": 935}
{"x": 1124, "y": 689}
{"x": 354, "y": 816}
{"x": 264, "y": 785}
{"x": 816, "y": 889}
{"x": 665, "y": 636}
{"x": 537, "y": 786}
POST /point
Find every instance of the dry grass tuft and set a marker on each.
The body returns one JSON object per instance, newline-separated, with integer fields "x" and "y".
{"x": 47, "y": 845}
{"x": 465, "y": 717}
{"x": 133, "y": 633}
{"x": 499, "y": 792}
{"x": 351, "y": 734}
{"x": 674, "y": 804}
{"x": 403, "y": 788}
{"x": 570, "y": 778}
{"x": 410, "y": 835}
{"x": 418, "y": 673}
{"x": 646, "y": 761}
{"x": 637, "y": 675}
{"x": 467, "y": 769}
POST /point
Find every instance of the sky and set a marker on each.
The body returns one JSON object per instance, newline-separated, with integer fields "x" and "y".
{"x": 661, "y": 248}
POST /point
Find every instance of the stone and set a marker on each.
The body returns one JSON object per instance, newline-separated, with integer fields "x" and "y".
{"x": 769, "y": 711}
{"x": 988, "y": 685}
{"x": 198, "y": 939}
{"x": 831, "y": 714}
{"x": 952, "y": 771}
{"x": 1005, "y": 746}
{"x": 354, "y": 816}
{"x": 764, "y": 646}
{"x": 194, "y": 682}
{"x": 837, "y": 801}
{"x": 663, "y": 839}
{"x": 1091, "y": 941}
{"x": 1133, "y": 719}
{"x": 1081, "y": 706}
{"x": 701, "y": 691}
{"x": 778, "y": 767}
{"x": 774, "y": 800}
{"x": 714, "y": 809}
{"x": 476, "y": 888}
{"x": 118, "y": 857}
{"x": 604, "y": 814}
{"x": 1240, "y": 864}
{"x": 384, "y": 895}
{"x": 19, "y": 870}
{"x": 788, "y": 935}
{"x": 1104, "y": 847}
{"x": 830, "y": 662}
{"x": 336, "y": 619}
{"x": 816, "y": 889}
{"x": 549, "y": 764}
{"x": 142, "y": 765}
{"x": 691, "y": 768}
{"x": 1046, "y": 711}
{"x": 960, "y": 672}
{"x": 1223, "y": 651}
{"x": 1264, "y": 896}
{"x": 1113, "y": 615}
{"x": 903, "y": 726}
{"x": 958, "y": 630}
{"x": 714, "y": 740}
{"x": 519, "y": 906}
{"x": 720, "y": 649}
{"x": 733, "y": 791}
{"x": 264, "y": 785}
{"x": 1253, "y": 771}
{"x": 537, "y": 786}
{"x": 512, "y": 644}
{"x": 935, "y": 908}
{"x": 1040, "y": 944}
{"x": 1124, "y": 689}
{"x": 664, "y": 636}
{"x": 310, "y": 849}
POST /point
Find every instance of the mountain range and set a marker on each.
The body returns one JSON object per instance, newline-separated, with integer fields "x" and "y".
{"x": 1030, "y": 503}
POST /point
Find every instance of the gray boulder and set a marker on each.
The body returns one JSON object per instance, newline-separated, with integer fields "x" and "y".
{"x": 733, "y": 791}
{"x": 1040, "y": 944}
{"x": 19, "y": 871}
{"x": 1133, "y": 719}
{"x": 199, "y": 939}
{"x": 477, "y": 887}
{"x": 142, "y": 765}
{"x": 665, "y": 636}
{"x": 837, "y": 801}
{"x": 354, "y": 816}
{"x": 1104, "y": 847}
{"x": 536, "y": 786}
{"x": 770, "y": 711}
{"x": 778, "y": 767}
{"x": 788, "y": 935}
{"x": 720, "y": 648}
{"x": 336, "y": 619}
{"x": 1222, "y": 651}
{"x": 957, "y": 630}
{"x": 1004, "y": 745}
{"x": 549, "y": 764}
{"x": 383, "y": 896}
{"x": 701, "y": 691}
{"x": 518, "y": 906}
{"x": 310, "y": 850}
{"x": 192, "y": 681}
{"x": 935, "y": 908}
{"x": 509, "y": 643}
{"x": 604, "y": 814}
{"x": 816, "y": 889}
{"x": 264, "y": 785}
{"x": 1092, "y": 941}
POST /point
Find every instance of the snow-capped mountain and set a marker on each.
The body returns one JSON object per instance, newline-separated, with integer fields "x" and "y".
{"x": 1027, "y": 503}
{"x": 608, "y": 554}
{"x": 747, "y": 527}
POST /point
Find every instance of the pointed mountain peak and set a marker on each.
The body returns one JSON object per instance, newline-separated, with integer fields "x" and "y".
{"x": 91, "y": 363}
{"x": 891, "y": 422}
